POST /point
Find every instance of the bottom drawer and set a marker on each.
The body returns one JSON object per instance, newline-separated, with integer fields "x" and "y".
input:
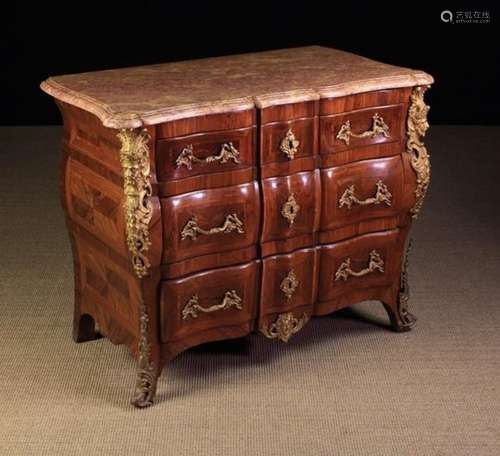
{"x": 289, "y": 289}
{"x": 208, "y": 300}
{"x": 359, "y": 268}
{"x": 289, "y": 281}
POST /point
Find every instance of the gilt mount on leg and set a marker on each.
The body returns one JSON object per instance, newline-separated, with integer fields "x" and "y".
{"x": 145, "y": 387}
{"x": 134, "y": 157}
{"x": 400, "y": 317}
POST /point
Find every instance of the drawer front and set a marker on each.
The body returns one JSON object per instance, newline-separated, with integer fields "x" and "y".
{"x": 210, "y": 221}
{"x": 350, "y": 134}
{"x": 364, "y": 262}
{"x": 361, "y": 191}
{"x": 288, "y": 138}
{"x": 289, "y": 281}
{"x": 291, "y": 207}
{"x": 208, "y": 300}
{"x": 288, "y": 147}
{"x": 205, "y": 153}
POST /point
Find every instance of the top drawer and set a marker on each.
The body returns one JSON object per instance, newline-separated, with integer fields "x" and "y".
{"x": 206, "y": 152}
{"x": 288, "y": 138}
{"x": 363, "y": 126}
{"x": 202, "y": 153}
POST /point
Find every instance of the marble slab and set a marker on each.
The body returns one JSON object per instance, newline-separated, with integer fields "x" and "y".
{"x": 152, "y": 94}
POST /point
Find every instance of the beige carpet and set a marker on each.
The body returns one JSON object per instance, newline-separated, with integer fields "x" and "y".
{"x": 343, "y": 386}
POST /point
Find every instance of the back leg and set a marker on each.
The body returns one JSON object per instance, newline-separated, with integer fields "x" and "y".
{"x": 84, "y": 328}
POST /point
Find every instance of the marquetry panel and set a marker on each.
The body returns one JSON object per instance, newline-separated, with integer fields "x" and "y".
{"x": 85, "y": 134}
{"x": 109, "y": 287}
{"x": 96, "y": 204}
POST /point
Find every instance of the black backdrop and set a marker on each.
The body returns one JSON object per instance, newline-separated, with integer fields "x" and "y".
{"x": 70, "y": 37}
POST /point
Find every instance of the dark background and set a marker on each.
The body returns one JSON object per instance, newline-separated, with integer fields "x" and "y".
{"x": 71, "y": 37}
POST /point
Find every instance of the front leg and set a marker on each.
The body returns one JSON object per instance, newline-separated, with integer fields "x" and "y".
{"x": 417, "y": 125}
{"x": 145, "y": 389}
{"x": 400, "y": 317}
{"x": 144, "y": 240}
{"x": 148, "y": 368}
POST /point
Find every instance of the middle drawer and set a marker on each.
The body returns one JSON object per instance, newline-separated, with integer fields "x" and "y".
{"x": 361, "y": 197}
{"x": 291, "y": 212}
{"x": 214, "y": 227}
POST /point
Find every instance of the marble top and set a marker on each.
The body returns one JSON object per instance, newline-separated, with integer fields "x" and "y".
{"x": 147, "y": 95}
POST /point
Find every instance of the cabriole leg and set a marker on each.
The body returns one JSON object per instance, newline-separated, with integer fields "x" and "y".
{"x": 145, "y": 387}
{"x": 400, "y": 317}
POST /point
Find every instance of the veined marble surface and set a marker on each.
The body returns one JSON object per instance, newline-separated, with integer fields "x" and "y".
{"x": 147, "y": 95}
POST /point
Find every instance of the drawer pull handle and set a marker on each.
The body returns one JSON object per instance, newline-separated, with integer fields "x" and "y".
{"x": 192, "y": 307}
{"x": 379, "y": 127}
{"x": 289, "y": 145}
{"x": 375, "y": 263}
{"x": 231, "y": 223}
{"x": 290, "y": 209}
{"x": 227, "y": 152}
{"x": 382, "y": 195}
{"x": 284, "y": 327}
{"x": 289, "y": 284}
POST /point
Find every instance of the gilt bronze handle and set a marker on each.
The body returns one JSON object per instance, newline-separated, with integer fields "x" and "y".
{"x": 231, "y": 223}
{"x": 285, "y": 326}
{"x": 382, "y": 195}
{"x": 379, "y": 127}
{"x": 375, "y": 263}
{"x": 227, "y": 152}
{"x": 192, "y": 307}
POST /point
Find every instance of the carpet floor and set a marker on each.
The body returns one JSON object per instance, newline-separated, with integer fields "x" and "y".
{"x": 343, "y": 386}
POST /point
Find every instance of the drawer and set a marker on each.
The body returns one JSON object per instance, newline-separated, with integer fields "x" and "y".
{"x": 209, "y": 300}
{"x": 362, "y": 134}
{"x": 189, "y": 158}
{"x": 291, "y": 211}
{"x": 288, "y": 138}
{"x": 368, "y": 262}
{"x": 212, "y": 221}
{"x": 361, "y": 191}
{"x": 289, "y": 281}
{"x": 288, "y": 147}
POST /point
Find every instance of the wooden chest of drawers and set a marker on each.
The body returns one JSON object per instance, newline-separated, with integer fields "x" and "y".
{"x": 210, "y": 199}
